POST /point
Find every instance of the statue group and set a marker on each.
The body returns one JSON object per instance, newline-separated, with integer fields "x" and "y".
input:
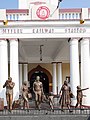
{"x": 65, "y": 95}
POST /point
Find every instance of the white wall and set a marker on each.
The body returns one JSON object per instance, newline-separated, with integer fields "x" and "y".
{"x": 2, "y": 14}
{"x": 24, "y": 4}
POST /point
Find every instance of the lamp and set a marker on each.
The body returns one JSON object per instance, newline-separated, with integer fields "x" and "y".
{"x": 59, "y": 3}
{"x": 5, "y": 22}
{"x": 56, "y": 7}
{"x": 81, "y": 21}
{"x": 41, "y": 52}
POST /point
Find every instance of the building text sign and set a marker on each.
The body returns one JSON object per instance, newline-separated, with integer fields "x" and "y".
{"x": 12, "y": 31}
{"x": 75, "y": 30}
{"x": 44, "y": 30}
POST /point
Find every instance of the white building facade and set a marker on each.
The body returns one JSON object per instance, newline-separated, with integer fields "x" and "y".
{"x": 62, "y": 38}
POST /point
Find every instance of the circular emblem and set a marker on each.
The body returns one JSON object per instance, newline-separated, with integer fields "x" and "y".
{"x": 43, "y": 12}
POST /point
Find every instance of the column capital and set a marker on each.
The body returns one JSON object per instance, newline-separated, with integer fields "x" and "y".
{"x": 3, "y": 39}
{"x": 23, "y": 62}
{"x": 85, "y": 41}
{"x": 86, "y": 38}
{"x": 53, "y": 62}
{"x": 59, "y": 62}
{"x": 56, "y": 62}
{"x": 3, "y": 42}
{"x": 12, "y": 39}
{"x": 77, "y": 38}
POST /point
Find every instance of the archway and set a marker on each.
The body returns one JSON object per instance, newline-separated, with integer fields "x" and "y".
{"x": 45, "y": 78}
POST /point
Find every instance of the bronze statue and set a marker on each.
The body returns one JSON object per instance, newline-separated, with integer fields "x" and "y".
{"x": 50, "y": 98}
{"x": 80, "y": 96}
{"x": 25, "y": 93}
{"x": 17, "y": 103}
{"x": 38, "y": 90}
{"x": 9, "y": 92}
{"x": 65, "y": 100}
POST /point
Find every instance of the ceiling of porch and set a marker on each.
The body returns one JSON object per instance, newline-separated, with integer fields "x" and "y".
{"x": 53, "y": 50}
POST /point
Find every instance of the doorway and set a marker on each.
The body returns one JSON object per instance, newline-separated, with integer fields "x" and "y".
{"x": 45, "y": 78}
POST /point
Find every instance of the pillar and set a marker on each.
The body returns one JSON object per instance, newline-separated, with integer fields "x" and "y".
{"x": 25, "y": 72}
{"x": 3, "y": 68}
{"x": 20, "y": 76}
{"x": 14, "y": 68}
{"x": 54, "y": 79}
{"x": 85, "y": 69}
{"x": 74, "y": 67}
{"x": 59, "y": 76}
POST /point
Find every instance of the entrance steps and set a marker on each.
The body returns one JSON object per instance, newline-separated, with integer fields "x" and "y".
{"x": 45, "y": 114}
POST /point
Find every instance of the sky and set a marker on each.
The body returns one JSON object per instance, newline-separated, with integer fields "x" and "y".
{"x": 13, "y": 4}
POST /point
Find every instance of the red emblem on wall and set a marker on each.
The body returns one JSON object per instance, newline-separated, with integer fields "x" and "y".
{"x": 43, "y": 12}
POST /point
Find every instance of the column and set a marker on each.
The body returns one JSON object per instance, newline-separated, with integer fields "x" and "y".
{"x": 25, "y": 72}
{"x": 59, "y": 76}
{"x": 54, "y": 79}
{"x": 20, "y": 76}
{"x": 85, "y": 70}
{"x": 74, "y": 67}
{"x": 14, "y": 68}
{"x": 3, "y": 67}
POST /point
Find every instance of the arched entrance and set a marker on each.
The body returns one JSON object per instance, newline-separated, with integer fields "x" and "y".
{"x": 45, "y": 78}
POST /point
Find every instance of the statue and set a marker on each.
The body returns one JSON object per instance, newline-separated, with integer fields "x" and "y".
{"x": 50, "y": 98}
{"x": 9, "y": 92}
{"x": 25, "y": 93}
{"x": 38, "y": 90}
{"x": 65, "y": 94}
{"x": 80, "y": 96}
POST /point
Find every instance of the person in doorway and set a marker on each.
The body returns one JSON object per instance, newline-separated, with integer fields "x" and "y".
{"x": 38, "y": 90}
{"x": 80, "y": 96}
{"x": 65, "y": 100}
{"x": 25, "y": 93}
{"x": 9, "y": 92}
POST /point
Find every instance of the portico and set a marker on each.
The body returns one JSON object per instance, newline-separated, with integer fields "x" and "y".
{"x": 16, "y": 46}
{"x": 41, "y": 34}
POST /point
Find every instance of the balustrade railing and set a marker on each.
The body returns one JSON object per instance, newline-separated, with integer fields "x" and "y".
{"x": 19, "y": 14}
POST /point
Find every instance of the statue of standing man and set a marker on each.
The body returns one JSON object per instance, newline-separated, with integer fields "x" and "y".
{"x": 80, "y": 96}
{"x": 38, "y": 90}
{"x": 9, "y": 92}
{"x": 25, "y": 94}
